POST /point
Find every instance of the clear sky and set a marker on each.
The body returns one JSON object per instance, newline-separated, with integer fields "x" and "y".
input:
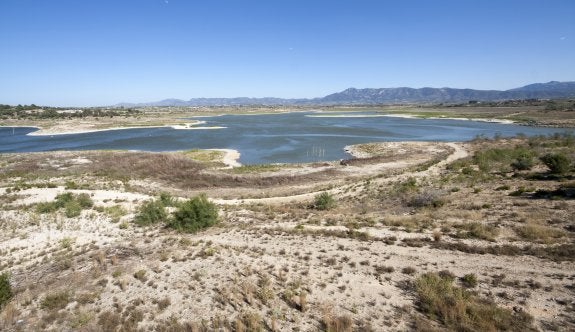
{"x": 102, "y": 52}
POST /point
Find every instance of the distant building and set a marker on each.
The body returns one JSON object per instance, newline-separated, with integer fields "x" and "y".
{"x": 69, "y": 111}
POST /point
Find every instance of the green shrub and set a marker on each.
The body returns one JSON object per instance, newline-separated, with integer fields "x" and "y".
{"x": 195, "y": 214}
{"x": 84, "y": 201}
{"x": 151, "y": 212}
{"x": 72, "y": 209}
{"x": 5, "y": 289}
{"x": 55, "y": 301}
{"x": 324, "y": 201}
{"x": 46, "y": 207}
{"x": 557, "y": 163}
{"x": 167, "y": 199}
{"x": 523, "y": 162}
{"x": 115, "y": 212}
{"x": 409, "y": 185}
{"x": 141, "y": 275}
{"x": 63, "y": 198}
{"x": 73, "y": 204}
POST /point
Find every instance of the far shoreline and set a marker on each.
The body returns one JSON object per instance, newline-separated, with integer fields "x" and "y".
{"x": 48, "y": 131}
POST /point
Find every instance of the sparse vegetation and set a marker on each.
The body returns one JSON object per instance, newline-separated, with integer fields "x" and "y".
{"x": 337, "y": 323}
{"x": 72, "y": 204}
{"x": 286, "y": 266}
{"x": 115, "y": 212}
{"x": 539, "y": 233}
{"x": 250, "y": 169}
{"x": 460, "y": 310}
{"x": 477, "y": 230}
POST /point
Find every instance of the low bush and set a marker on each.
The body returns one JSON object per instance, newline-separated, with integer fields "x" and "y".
{"x": 523, "y": 162}
{"x": 499, "y": 159}
{"x": 5, "y": 289}
{"x": 476, "y": 230}
{"x": 46, "y": 207}
{"x": 167, "y": 199}
{"x": 407, "y": 186}
{"x": 557, "y": 163}
{"x": 429, "y": 198}
{"x": 151, "y": 212}
{"x": 324, "y": 201}
{"x": 63, "y": 198}
{"x": 55, "y": 301}
{"x": 72, "y": 209}
{"x": 84, "y": 200}
{"x": 194, "y": 215}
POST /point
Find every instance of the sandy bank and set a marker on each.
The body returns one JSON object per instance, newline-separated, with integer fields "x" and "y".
{"x": 346, "y": 116}
{"x": 230, "y": 158}
{"x": 409, "y": 116}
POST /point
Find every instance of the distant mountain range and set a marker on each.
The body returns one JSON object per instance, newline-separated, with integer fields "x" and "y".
{"x": 354, "y": 96}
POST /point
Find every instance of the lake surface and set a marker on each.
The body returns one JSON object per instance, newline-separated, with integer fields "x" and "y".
{"x": 270, "y": 138}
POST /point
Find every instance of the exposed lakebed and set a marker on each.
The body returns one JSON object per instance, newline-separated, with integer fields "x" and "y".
{"x": 271, "y": 138}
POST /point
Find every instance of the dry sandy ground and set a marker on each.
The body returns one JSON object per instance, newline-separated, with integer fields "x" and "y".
{"x": 271, "y": 262}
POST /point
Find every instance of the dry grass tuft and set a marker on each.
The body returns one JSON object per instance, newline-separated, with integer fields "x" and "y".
{"x": 461, "y": 310}
{"x": 539, "y": 233}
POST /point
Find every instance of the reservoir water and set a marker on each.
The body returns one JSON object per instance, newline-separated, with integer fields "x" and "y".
{"x": 270, "y": 138}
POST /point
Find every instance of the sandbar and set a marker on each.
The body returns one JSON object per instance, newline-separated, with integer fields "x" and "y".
{"x": 409, "y": 116}
{"x": 61, "y": 130}
{"x": 230, "y": 158}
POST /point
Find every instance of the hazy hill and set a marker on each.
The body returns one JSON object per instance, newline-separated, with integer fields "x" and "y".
{"x": 353, "y": 96}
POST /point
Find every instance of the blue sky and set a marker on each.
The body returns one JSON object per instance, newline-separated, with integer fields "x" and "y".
{"x": 102, "y": 52}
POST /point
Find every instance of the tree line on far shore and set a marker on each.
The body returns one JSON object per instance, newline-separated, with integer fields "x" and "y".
{"x": 39, "y": 112}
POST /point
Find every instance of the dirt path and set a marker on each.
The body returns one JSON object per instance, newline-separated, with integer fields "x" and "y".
{"x": 459, "y": 152}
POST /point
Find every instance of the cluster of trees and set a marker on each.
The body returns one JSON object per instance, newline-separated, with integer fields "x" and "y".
{"x": 549, "y": 105}
{"x": 36, "y": 112}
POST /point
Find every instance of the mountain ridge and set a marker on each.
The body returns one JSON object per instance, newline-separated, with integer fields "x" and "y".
{"x": 379, "y": 96}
